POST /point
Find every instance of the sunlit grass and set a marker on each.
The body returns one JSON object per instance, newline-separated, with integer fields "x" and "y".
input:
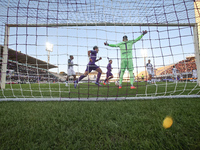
{"x": 100, "y": 125}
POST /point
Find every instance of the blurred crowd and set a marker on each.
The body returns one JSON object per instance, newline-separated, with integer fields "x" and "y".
{"x": 22, "y": 73}
{"x": 184, "y": 66}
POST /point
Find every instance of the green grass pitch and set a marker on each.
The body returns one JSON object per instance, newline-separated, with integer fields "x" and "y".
{"x": 84, "y": 91}
{"x": 100, "y": 125}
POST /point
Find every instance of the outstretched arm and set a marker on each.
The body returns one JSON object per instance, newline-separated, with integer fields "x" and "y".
{"x": 135, "y": 40}
{"x": 73, "y": 64}
{"x": 111, "y": 45}
{"x": 143, "y": 33}
{"x": 70, "y": 64}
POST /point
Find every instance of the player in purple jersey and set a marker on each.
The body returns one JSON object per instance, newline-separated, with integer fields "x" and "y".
{"x": 109, "y": 75}
{"x": 91, "y": 66}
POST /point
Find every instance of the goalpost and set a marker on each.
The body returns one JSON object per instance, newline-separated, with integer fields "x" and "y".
{"x": 196, "y": 37}
{"x": 157, "y": 91}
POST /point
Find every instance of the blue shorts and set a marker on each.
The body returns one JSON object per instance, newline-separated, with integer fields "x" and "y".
{"x": 91, "y": 67}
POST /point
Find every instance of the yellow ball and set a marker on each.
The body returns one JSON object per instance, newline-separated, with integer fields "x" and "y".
{"x": 167, "y": 122}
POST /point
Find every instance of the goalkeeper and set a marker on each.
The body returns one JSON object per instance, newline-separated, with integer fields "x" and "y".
{"x": 126, "y": 57}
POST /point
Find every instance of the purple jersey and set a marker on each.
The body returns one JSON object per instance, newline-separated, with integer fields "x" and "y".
{"x": 93, "y": 56}
{"x": 91, "y": 65}
{"x": 109, "y": 67}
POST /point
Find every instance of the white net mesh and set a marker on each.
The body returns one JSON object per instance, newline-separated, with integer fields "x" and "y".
{"x": 75, "y": 27}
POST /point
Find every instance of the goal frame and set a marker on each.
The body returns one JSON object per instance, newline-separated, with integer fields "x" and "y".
{"x": 101, "y": 98}
{"x": 6, "y": 43}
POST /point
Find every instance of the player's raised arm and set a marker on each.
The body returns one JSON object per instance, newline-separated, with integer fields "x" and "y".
{"x": 111, "y": 45}
{"x": 137, "y": 39}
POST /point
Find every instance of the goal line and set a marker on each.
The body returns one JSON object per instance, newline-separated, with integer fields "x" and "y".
{"x": 101, "y": 98}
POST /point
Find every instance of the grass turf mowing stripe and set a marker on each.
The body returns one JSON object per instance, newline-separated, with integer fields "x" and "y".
{"x": 100, "y": 125}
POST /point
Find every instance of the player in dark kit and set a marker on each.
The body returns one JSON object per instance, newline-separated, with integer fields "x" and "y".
{"x": 91, "y": 66}
{"x": 109, "y": 75}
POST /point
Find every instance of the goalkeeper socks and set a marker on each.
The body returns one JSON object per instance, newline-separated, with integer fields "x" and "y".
{"x": 98, "y": 77}
{"x": 131, "y": 77}
{"x": 121, "y": 77}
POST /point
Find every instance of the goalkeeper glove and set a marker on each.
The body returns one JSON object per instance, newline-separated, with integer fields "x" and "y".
{"x": 144, "y": 32}
{"x": 105, "y": 43}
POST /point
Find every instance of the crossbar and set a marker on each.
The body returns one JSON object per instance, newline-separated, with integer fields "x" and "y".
{"x": 100, "y": 24}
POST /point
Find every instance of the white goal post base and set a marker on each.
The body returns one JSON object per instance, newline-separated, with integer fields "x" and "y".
{"x": 102, "y": 98}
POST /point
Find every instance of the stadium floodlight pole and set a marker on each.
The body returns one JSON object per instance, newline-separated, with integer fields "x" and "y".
{"x": 49, "y": 48}
{"x": 5, "y": 57}
{"x": 144, "y": 55}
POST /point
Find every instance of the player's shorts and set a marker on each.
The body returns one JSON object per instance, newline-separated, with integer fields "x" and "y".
{"x": 108, "y": 74}
{"x": 91, "y": 67}
{"x": 126, "y": 64}
{"x": 71, "y": 72}
{"x": 150, "y": 72}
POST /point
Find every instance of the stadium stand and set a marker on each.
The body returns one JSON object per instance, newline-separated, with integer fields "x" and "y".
{"x": 60, "y": 77}
{"x": 184, "y": 67}
{"x": 24, "y": 68}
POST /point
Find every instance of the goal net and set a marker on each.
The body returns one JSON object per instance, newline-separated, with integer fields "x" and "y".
{"x": 48, "y": 53}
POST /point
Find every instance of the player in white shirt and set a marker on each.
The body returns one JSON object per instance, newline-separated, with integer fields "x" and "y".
{"x": 70, "y": 71}
{"x": 181, "y": 77}
{"x": 153, "y": 79}
{"x": 174, "y": 72}
{"x": 149, "y": 67}
{"x": 194, "y": 73}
